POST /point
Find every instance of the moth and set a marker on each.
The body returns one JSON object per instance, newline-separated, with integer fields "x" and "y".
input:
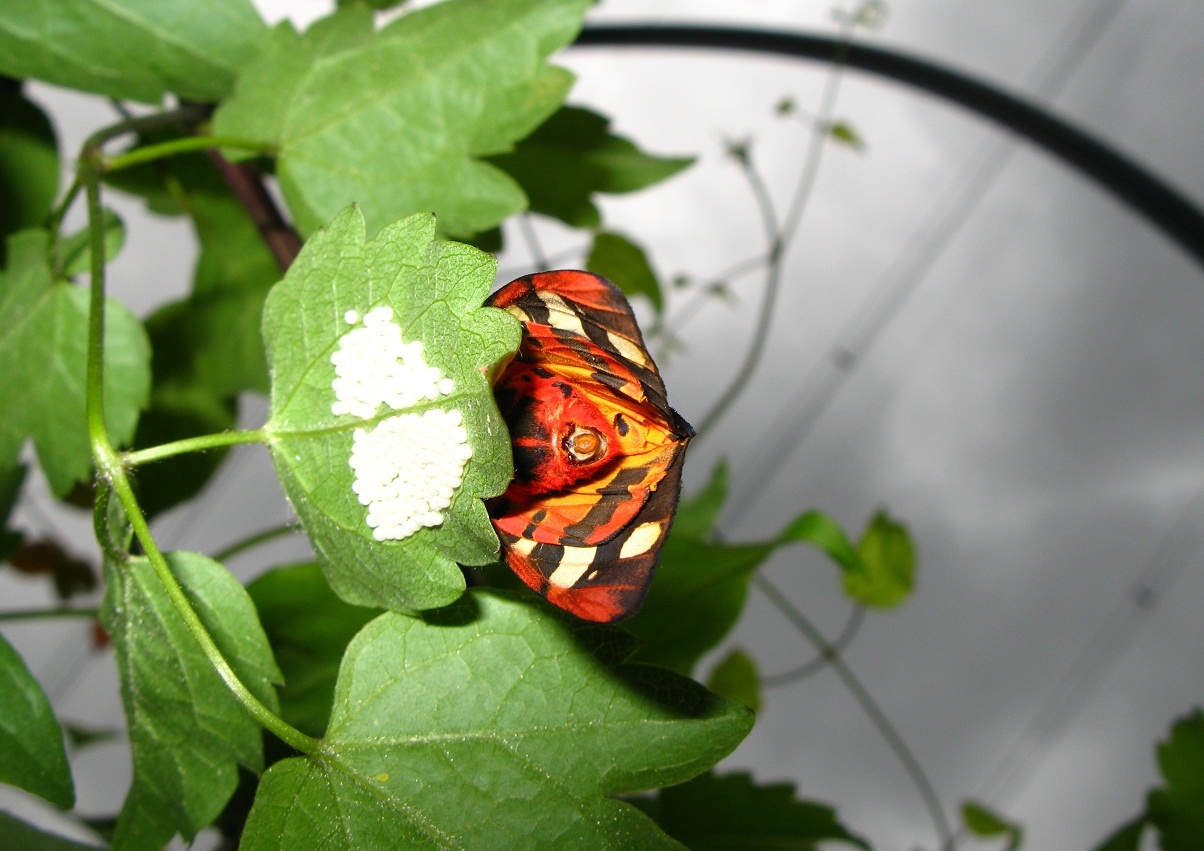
{"x": 598, "y": 452}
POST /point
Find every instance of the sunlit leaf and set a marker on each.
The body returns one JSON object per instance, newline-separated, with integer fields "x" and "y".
{"x": 889, "y": 557}
{"x": 43, "y": 335}
{"x": 736, "y": 677}
{"x": 433, "y": 292}
{"x": 31, "y": 741}
{"x": 617, "y": 258}
{"x": 731, "y": 813}
{"x": 309, "y": 628}
{"x": 492, "y": 724}
{"x": 397, "y": 120}
{"x": 572, "y": 156}
{"x": 187, "y": 733}
{"x": 130, "y": 48}
{"x": 29, "y": 163}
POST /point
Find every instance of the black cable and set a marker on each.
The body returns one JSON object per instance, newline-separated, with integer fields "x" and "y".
{"x": 1164, "y": 206}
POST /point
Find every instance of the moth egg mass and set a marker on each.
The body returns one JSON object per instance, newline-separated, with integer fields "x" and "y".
{"x": 407, "y": 465}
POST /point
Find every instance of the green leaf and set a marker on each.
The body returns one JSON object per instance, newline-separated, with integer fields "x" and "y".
{"x": 700, "y": 587}
{"x": 434, "y": 291}
{"x": 75, "y": 251}
{"x": 374, "y": 4}
{"x": 890, "y": 562}
{"x": 1127, "y": 837}
{"x": 398, "y": 120}
{"x": 846, "y": 134}
{"x": 309, "y": 628}
{"x": 135, "y": 49}
{"x": 31, "y": 741}
{"x": 43, "y": 335}
{"x": 82, "y": 737}
{"x": 573, "y": 155}
{"x": 493, "y": 723}
{"x": 736, "y": 677}
{"x": 696, "y": 597}
{"x": 24, "y": 836}
{"x": 29, "y": 163}
{"x": 986, "y": 824}
{"x": 616, "y": 257}
{"x": 187, "y": 732}
{"x": 825, "y": 534}
{"x": 11, "y": 479}
{"x": 698, "y": 515}
{"x": 731, "y": 813}
{"x": 1175, "y": 808}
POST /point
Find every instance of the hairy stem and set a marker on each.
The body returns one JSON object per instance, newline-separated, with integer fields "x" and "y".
{"x": 194, "y": 444}
{"x": 112, "y": 474}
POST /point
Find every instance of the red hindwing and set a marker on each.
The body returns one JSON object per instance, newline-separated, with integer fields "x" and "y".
{"x": 597, "y": 449}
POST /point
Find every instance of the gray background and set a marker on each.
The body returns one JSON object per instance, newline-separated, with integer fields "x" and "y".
{"x": 1032, "y": 411}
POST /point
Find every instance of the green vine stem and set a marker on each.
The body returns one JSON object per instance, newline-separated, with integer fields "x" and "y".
{"x": 194, "y": 444}
{"x": 779, "y": 236}
{"x": 870, "y": 706}
{"x": 45, "y": 614}
{"x": 252, "y": 541}
{"x": 173, "y": 147}
{"x": 111, "y": 472}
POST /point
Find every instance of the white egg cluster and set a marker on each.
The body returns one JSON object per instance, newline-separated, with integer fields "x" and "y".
{"x": 407, "y": 470}
{"x": 407, "y": 467}
{"x": 373, "y": 366}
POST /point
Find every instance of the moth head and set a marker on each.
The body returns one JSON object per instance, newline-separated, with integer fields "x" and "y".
{"x": 584, "y": 444}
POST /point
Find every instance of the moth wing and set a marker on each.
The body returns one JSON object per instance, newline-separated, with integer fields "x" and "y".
{"x": 595, "y": 511}
{"x": 580, "y": 309}
{"x": 607, "y": 582}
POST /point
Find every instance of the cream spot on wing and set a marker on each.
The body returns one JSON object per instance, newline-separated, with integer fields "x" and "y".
{"x": 573, "y": 564}
{"x": 523, "y": 546}
{"x": 628, "y": 349}
{"x": 564, "y": 317}
{"x": 642, "y": 539}
{"x": 518, "y": 313}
